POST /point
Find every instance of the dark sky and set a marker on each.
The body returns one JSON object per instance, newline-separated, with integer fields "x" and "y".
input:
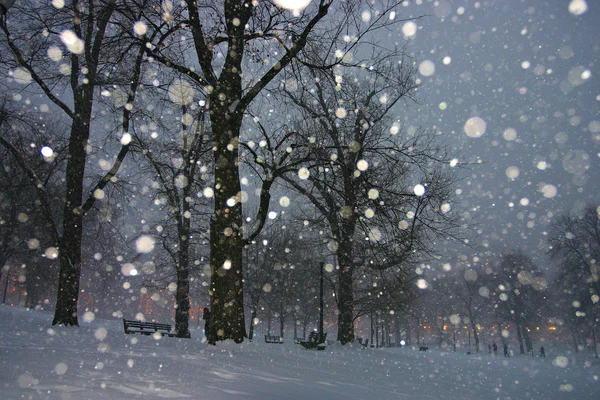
{"x": 529, "y": 71}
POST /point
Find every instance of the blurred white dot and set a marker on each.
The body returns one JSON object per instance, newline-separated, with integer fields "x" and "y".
{"x": 409, "y": 29}
{"x": 422, "y": 284}
{"x": 373, "y": 194}
{"x": 419, "y": 190}
{"x": 561, "y": 361}
{"x": 22, "y": 76}
{"x": 510, "y": 134}
{"x": 46, "y": 151}
{"x": 512, "y": 172}
{"x": 303, "y": 173}
{"x": 60, "y": 368}
{"x": 181, "y": 92}
{"x": 127, "y": 268}
{"x": 140, "y": 28}
{"x": 340, "y": 112}
{"x": 578, "y": 7}
{"x": 362, "y": 165}
{"x": 475, "y": 127}
{"x": 549, "y": 191}
{"x": 447, "y": 60}
{"x": 427, "y": 68}
{"x": 51, "y": 253}
{"x": 366, "y": 16}
{"x": 144, "y": 244}
{"x": 284, "y": 201}
{"x": 54, "y": 53}
{"x": 100, "y": 333}
{"x": 89, "y": 316}
{"x": 73, "y": 43}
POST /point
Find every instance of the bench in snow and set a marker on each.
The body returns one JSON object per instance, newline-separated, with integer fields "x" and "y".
{"x": 423, "y": 348}
{"x": 146, "y": 328}
{"x": 313, "y": 341}
{"x": 273, "y": 339}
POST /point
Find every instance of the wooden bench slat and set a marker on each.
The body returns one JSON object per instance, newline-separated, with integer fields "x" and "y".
{"x": 146, "y": 328}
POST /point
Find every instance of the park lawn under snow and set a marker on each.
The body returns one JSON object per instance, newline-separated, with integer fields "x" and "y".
{"x": 98, "y": 361}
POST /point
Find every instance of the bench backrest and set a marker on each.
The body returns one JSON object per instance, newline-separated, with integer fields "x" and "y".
{"x": 146, "y": 325}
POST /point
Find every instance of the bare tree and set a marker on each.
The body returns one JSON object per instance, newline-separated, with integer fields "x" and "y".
{"x": 575, "y": 249}
{"x": 235, "y": 49}
{"x": 179, "y": 162}
{"x": 383, "y": 192}
{"x": 519, "y": 294}
{"x": 36, "y": 35}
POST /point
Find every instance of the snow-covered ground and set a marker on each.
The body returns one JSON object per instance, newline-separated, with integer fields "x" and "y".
{"x": 98, "y": 361}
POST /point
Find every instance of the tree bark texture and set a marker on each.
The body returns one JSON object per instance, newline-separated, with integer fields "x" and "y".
{"x": 226, "y": 241}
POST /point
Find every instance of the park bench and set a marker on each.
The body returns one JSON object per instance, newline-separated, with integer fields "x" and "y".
{"x": 146, "y": 328}
{"x": 363, "y": 342}
{"x": 313, "y": 341}
{"x": 423, "y": 348}
{"x": 298, "y": 339}
{"x": 273, "y": 339}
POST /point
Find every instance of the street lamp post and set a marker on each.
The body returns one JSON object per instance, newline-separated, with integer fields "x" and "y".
{"x": 321, "y": 304}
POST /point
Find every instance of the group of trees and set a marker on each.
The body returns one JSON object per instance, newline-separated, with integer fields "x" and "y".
{"x": 203, "y": 102}
{"x": 206, "y": 98}
{"x": 510, "y": 292}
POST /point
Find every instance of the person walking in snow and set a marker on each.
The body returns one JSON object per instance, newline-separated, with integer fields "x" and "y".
{"x": 206, "y": 318}
{"x": 542, "y": 352}
{"x": 506, "y": 351}
{"x": 495, "y": 347}
{"x": 490, "y": 348}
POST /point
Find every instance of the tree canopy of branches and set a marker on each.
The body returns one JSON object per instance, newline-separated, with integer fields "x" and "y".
{"x": 574, "y": 242}
{"x": 383, "y": 192}
{"x": 519, "y": 294}
{"x": 232, "y": 52}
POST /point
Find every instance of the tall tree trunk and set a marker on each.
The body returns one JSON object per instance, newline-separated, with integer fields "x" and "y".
{"x": 182, "y": 296}
{"x": 69, "y": 251}
{"x": 475, "y": 335}
{"x": 520, "y": 337}
{"x": 251, "y": 329}
{"x": 226, "y": 241}
{"x": 345, "y": 293}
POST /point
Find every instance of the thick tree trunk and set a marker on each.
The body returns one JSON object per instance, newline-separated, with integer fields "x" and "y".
{"x": 226, "y": 241}
{"x": 182, "y": 296}
{"x": 69, "y": 251}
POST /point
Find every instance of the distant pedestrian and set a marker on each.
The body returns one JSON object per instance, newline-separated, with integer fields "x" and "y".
{"x": 506, "y": 351}
{"x": 490, "y": 348}
{"x": 542, "y": 352}
{"x": 206, "y": 318}
{"x": 495, "y": 347}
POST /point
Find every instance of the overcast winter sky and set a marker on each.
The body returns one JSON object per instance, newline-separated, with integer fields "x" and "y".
{"x": 528, "y": 70}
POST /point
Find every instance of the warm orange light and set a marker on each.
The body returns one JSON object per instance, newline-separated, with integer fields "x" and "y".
{"x": 552, "y": 328}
